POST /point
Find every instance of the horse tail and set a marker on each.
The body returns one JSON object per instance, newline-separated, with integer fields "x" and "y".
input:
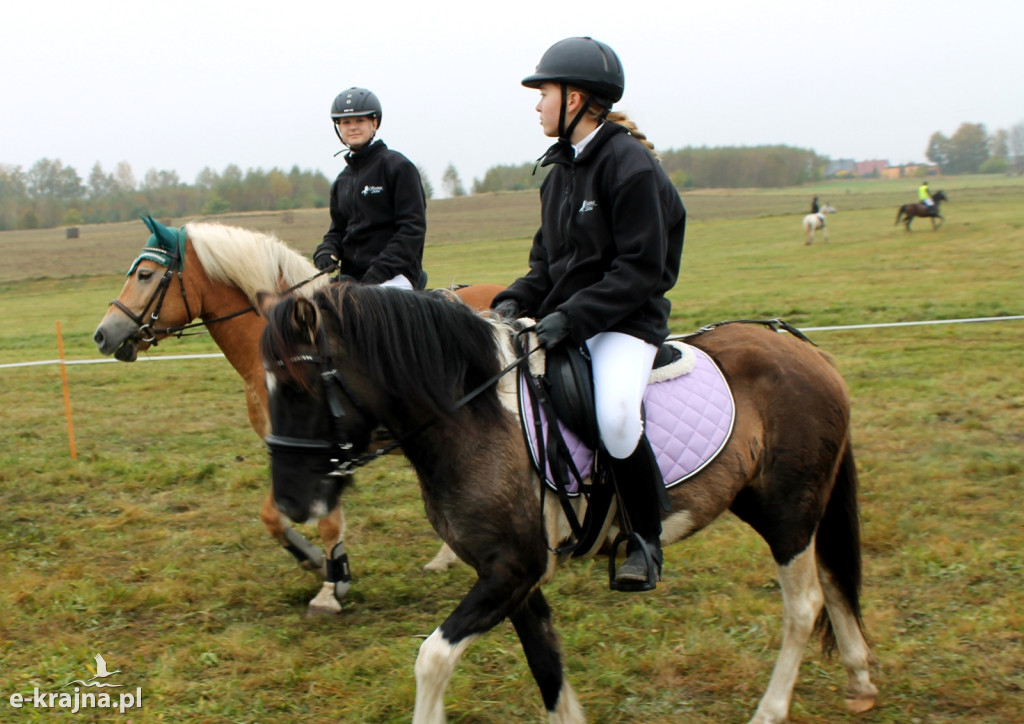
{"x": 837, "y": 546}
{"x": 900, "y": 213}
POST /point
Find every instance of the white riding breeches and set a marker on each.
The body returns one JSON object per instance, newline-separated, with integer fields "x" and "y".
{"x": 621, "y": 366}
{"x": 399, "y": 281}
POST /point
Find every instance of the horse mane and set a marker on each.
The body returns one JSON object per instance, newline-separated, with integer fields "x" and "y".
{"x": 421, "y": 348}
{"x": 250, "y": 260}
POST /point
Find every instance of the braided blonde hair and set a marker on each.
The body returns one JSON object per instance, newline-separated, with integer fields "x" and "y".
{"x": 598, "y": 114}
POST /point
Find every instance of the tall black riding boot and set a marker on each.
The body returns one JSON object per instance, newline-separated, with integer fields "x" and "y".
{"x": 636, "y": 478}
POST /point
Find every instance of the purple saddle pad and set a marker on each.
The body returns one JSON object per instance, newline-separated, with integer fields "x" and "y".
{"x": 689, "y": 420}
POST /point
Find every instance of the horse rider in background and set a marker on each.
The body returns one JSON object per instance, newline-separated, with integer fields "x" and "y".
{"x": 925, "y": 197}
{"x": 378, "y": 207}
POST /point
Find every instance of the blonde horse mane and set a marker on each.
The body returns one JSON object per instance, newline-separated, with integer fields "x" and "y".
{"x": 250, "y": 260}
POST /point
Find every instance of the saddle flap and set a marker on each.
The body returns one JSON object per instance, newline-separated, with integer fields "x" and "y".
{"x": 570, "y": 384}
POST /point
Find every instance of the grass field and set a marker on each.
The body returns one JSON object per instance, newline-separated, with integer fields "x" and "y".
{"x": 148, "y": 549}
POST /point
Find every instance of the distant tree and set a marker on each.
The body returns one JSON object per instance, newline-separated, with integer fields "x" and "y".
{"x": 1015, "y": 141}
{"x": 215, "y": 205}
{"x": 124, "y": 177}
{"x": 428, "y": 188}
{"x": 999, "y": 144}
{"x": 938, "y": 150}
{"x": 100, "y": 184}
{"x": 451, "y": 182}
{"x": 510, "y": 178}
{"x": 13, "y": 196}
{"x": 968, "y": 148}
{"x": 994, "y": 165}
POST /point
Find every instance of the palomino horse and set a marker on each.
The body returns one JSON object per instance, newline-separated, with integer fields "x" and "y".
{"x": 352, "y": 358}
{"x": 213, "y": 272}
{"x": 816, "y": 221}
{"x": 907, "y": 212}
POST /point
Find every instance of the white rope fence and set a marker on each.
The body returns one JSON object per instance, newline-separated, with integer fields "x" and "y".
{"x": 155, "y": 358}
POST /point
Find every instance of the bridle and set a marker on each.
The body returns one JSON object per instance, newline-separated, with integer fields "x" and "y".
{"x": 335, "y": 387}
{"x": 156, "y": 301}
{"x": 175, "y": 267}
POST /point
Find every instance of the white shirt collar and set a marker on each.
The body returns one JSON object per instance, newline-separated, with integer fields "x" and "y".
{"x": 578, "y": 148}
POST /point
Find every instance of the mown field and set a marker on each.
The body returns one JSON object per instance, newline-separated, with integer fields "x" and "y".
{"x": 148, "y": 548}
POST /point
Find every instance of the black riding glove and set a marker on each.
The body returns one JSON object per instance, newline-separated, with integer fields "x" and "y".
{"x": 552, "y": 329}
{"x": 507, "y": 310}
{"x": 323, "y": 262}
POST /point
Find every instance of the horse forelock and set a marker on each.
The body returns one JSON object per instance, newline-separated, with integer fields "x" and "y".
{"x": 284, "y": 346}
{"x": 249, "y": 260}
{"x": 418, "y": 346}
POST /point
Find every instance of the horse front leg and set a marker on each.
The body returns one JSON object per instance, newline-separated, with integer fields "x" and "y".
{"x": 337, "y": 576}
{"x": 532, "y": 622}
{"x": 802, "y": 600}
{"x": 491, "y": 599}
{"x": 308, "y": 555}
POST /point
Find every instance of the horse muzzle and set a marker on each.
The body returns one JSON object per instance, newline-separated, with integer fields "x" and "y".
{"x": 303, "y": 474}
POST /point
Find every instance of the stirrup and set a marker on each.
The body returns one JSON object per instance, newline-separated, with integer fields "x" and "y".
{"x": 652, "y": 564}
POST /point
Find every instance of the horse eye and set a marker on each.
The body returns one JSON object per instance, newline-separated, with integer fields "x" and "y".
{"x": 144, "y": 274}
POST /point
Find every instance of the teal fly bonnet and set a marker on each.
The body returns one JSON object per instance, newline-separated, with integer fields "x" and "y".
{"x": 166, "y": 246}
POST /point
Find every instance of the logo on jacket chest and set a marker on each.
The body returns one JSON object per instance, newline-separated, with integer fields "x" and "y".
{"x": 372, "y": 190}
{"x": 587, "y": 206}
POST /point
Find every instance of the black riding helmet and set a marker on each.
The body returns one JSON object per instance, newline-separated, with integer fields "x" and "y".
{"x": 355, "y": 102}
{"x": 587, "y": 64}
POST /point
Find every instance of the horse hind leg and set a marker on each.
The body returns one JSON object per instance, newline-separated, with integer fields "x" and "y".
{"x": 853, "y": 649}
{"x": 839, "y": 570}
{"x": 802, "y": 601}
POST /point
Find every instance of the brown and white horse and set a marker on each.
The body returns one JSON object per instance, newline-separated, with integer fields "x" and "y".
{"x": 352, "y": 358}
{"x": 212, "y": 272}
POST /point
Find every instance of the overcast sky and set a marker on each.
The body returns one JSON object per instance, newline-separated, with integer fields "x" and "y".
{"x": 184, "y": 85}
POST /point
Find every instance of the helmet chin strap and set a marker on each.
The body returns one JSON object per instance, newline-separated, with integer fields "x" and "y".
{"x": 565, "y": 134}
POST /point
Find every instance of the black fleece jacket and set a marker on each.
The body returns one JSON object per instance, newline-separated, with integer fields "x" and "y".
{"x": 610, "y": 240}
{"x": 378, "y": 217}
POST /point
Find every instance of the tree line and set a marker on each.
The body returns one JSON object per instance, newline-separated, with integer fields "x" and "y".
{"x": 971, "y": 149}
{"x": 51, "y": 194}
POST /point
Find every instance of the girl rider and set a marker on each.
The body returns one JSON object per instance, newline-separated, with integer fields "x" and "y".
{"x": 378, "y": 208}
{"x": 606, "y": 253}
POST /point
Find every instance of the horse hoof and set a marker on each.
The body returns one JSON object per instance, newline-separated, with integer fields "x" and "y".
{"x": 317, "y": 611}
{"x": 325, "y": 603}
{"x": 860, "y": 704}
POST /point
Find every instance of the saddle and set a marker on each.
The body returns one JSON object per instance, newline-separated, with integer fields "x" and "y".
{"x": 688, "y": 413}
{"x": 570, "y": 384}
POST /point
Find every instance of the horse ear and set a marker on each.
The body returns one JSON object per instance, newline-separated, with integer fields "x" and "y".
{"x": 149, "y": 222}
{"x": 264, "y": 302}
{"x": 306, "y": 316}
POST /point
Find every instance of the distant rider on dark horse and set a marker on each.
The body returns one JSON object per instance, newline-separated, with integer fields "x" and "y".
{"x": 924, "y": 195}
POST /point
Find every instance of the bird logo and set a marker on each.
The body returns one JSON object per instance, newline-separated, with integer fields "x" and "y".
{"x": 101, "y": 673}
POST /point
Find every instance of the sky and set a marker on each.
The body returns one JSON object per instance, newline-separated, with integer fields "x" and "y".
{"x": 188, "y": 85}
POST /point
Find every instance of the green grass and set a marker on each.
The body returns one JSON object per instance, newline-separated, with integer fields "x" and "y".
{"x": 148, "y": 547}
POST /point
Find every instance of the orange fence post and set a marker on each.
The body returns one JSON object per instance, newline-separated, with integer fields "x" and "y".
{"x": 67, "y": 392}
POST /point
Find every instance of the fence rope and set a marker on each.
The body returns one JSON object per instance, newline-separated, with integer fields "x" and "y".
{"x": 882, "y": 325}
